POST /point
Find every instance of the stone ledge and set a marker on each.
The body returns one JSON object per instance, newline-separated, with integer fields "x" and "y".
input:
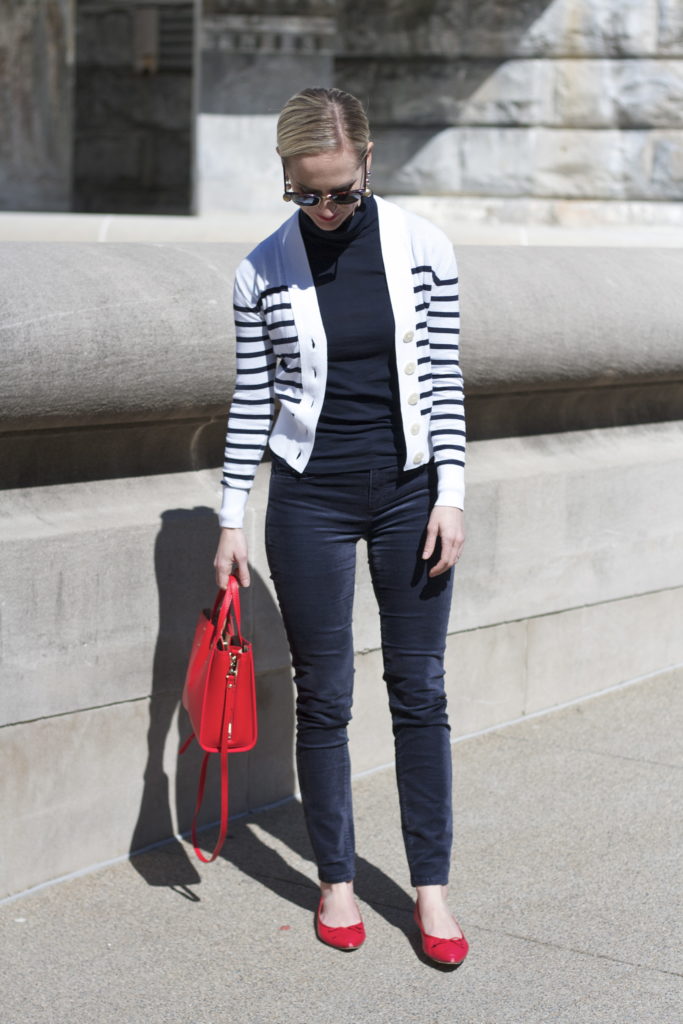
{"x": 555, "y": 523}
{"x": 145, "y": 331}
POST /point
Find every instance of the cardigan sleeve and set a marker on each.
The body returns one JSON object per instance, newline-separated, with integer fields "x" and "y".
{"x": 447, "y": 424}
{"x": 251, "y": 412}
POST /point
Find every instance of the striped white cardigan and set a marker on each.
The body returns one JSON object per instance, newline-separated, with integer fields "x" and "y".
{"x": 282, "y": 354}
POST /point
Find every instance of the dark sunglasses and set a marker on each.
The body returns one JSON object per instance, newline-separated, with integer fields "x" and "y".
{"x": 343, "y": 198}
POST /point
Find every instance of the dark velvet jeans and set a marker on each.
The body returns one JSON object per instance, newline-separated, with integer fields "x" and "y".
{"x": 313, "y": 524}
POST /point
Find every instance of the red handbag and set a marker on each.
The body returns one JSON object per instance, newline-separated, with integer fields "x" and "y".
{"x": 220, "y": 696}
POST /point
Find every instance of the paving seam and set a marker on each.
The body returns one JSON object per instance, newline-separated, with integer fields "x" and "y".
{"x": 577, "y": 952}
{"x": 599, "y": 753}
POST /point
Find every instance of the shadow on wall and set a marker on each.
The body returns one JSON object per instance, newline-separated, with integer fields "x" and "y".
{"x": 183, "y": 560}
{"x": 416, "y": 65}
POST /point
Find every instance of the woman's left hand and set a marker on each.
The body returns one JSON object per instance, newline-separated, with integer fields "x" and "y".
{"x": 446, "y": 525}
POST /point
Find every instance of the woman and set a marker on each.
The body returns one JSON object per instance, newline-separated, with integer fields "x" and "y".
{"x": 348, "y": 315}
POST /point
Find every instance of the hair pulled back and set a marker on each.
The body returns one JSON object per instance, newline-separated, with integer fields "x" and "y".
{"x": 317, "y": 120}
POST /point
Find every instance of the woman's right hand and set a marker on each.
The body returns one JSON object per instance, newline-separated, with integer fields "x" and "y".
{"x": 232, "y": 551}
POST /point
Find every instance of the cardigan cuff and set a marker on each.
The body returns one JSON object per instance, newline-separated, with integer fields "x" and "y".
{"x": 451, "y": 486}
{"x": 452, "y": 499}
{"x": 233, "y": 505}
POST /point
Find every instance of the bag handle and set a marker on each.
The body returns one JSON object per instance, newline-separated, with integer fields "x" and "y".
{"x": 229, "y": 600}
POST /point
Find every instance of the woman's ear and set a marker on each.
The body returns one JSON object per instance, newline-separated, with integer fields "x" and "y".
{"x": 368, "y": 156}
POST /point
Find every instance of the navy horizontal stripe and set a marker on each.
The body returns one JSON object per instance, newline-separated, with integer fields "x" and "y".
{"x": 278, "y": 306}
{"x": 243, "y": 462}
{"x": 271, "y": 291}
{"x": 237, "y": 476}
{"x": 249, "y": 370}
{"x": 276, "y": 325}
{"x": 249, "y": 325}
{"x": 245, "y": 431}
{"x": 289, "y": 339}
{"x": 247, "y": 416}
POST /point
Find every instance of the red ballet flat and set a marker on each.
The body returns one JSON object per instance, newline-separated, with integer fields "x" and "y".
{"x": 346, "y": 938}
{"x": 443, "y": 951}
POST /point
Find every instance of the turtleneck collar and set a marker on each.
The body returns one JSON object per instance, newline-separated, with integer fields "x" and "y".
{"x": 363, "y": 217}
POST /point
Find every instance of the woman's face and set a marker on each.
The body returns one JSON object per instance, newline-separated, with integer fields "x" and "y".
{"x": 330, "y": 171}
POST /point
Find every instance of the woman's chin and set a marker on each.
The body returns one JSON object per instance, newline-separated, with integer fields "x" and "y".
{"x": 328, "y": 223}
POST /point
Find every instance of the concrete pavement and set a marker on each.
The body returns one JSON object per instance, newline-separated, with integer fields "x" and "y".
{"x": 567, "y": 881}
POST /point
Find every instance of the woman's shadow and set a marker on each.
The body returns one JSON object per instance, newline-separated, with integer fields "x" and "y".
{"x": 183, "y": 558}
{"x": 183, "y": 561}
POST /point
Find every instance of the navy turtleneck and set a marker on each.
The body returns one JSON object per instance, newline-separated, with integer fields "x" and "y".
{"x": 360, "y": 422}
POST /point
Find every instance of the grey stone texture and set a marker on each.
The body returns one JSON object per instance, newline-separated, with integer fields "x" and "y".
{"x": 116, "y": 372}
{"x": 236, "y": 157}
{"x": 254, "y": 56}
{"x": 539, "y": 162}
{"x": 37, "y": 41}
{"x": 595, "y": 93}
{"x": 566, "y": 826}
{"x": 146, "y": 331}
{"x": 134, "y": 107}
{"x": 567, "y": 99}
{"x": 116, "y": 107}
{"x": 495, "y": 28}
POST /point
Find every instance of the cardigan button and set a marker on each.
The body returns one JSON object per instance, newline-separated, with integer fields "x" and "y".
{"x": 409, "y": 368}
{"x": 415, "y": 429}
{"x": 418, "y": 458}
{"x": 412, "y": 399}
{"x": 408, "y": 336}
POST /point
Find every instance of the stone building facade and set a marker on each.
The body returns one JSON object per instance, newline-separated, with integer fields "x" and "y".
{"x": 498, "y": 102}
{"x": 540, "y": 109}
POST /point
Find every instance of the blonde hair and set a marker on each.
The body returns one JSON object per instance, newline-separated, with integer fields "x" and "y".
{"x": 315, "y": 120}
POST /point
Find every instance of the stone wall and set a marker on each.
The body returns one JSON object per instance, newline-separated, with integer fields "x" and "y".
{"x": 566, "y": 111}
{"x": 135, "y": 107}
{"x": 567, "y": 99}
{"x": 36, "y": 103}
{"x": 115, "y": 372}
{"x": 253, "y": 57}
